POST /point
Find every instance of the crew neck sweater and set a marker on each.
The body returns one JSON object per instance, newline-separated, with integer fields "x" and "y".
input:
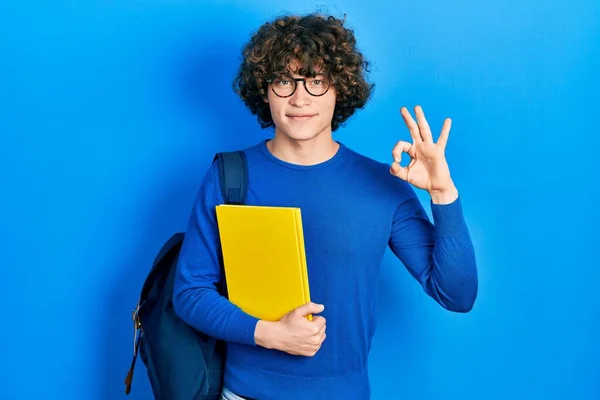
{"x": 353, "y": 209}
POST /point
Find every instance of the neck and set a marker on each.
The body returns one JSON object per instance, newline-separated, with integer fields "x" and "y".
{"x": 303, "y": 152}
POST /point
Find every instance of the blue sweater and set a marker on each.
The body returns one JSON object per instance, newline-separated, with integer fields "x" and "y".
{"x": 352, "y": 210}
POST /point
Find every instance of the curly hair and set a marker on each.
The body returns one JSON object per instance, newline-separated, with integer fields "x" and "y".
{"x": 319, "y": 45}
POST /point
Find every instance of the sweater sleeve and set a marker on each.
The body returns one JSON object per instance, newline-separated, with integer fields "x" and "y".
{"x": 196, "y": 299}
{"x": 439, "y": 255}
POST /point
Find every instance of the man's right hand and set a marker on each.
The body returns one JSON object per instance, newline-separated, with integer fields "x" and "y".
{"x": 294, "y": 333}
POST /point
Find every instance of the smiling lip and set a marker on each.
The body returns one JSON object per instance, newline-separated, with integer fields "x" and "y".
{"x": 300, "y": 117}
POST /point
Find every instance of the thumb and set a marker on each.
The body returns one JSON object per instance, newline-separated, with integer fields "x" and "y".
{"x": 310, "y": 308}
{"x": 397, "y": 170}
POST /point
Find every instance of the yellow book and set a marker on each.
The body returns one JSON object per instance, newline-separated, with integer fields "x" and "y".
{"x": 264, "y": 259}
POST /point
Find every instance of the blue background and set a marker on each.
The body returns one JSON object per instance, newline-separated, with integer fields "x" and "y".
{"x": 110, "y": 112}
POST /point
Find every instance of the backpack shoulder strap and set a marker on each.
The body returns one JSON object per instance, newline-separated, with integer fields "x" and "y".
{"x": 233, "y": 176}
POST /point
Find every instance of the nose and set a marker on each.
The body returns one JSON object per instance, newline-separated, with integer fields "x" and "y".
{"x": 300, "y": 97}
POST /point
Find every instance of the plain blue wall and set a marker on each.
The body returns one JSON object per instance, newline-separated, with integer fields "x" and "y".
{"x": 110, "y": 113}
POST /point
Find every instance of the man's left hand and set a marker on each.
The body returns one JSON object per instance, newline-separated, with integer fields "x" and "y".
{"x": 428, "y": 169}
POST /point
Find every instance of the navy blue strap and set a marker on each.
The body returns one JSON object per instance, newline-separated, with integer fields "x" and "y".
{"x": 233, "y": 176}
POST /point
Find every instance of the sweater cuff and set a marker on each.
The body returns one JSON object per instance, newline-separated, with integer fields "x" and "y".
{"x": 241, "y": 328}
{"x": 448, "y": 219}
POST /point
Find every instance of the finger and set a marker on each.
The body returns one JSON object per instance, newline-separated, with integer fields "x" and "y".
{"x": 319, "y": 322}
{"x": 322, "y": 330}
{"x": 322, "y": 338}
{"x": 318, "y": 342}
{"x": 315, "y": 351}
{"x": 412, "y": 126}
{"x": 399, "y": 148}
{"x": 310, "y": 308}
{"x": 423, "y": 125}
{"x": 318, "y": 333}
{"x": 443, "y": 139}
{"x": 396, "y": 169}
{"x": 399, "y": 171}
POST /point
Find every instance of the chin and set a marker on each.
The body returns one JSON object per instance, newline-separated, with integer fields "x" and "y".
{"x": 302, "y": 134}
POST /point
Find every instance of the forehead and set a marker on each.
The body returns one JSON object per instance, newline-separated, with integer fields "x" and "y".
{"x": 295, "y": 68}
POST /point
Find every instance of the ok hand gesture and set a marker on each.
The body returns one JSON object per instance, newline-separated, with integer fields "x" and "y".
{"x": 427, "y": 169}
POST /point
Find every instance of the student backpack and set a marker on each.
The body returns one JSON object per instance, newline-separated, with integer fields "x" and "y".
{"x": 182, "y": 363}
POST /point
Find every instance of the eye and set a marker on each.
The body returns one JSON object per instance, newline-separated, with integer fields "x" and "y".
{"x": 319, "y": 81}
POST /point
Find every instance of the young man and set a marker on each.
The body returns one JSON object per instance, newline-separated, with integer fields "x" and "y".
{"x": 304, "y": 77}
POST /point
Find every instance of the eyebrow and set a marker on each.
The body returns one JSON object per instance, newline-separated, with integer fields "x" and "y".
{"x": 301, "y": 76}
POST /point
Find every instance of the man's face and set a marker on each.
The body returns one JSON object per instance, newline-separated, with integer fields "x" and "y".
{"x": 302, "y": 116}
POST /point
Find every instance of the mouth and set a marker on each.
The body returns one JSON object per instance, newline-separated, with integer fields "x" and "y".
{"x": 300, "y": 117}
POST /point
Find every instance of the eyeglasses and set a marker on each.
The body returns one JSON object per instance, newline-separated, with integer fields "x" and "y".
{"x": 286, "y": 86}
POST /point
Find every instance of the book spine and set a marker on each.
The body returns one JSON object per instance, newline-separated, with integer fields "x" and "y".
{"x": 302, "y": 259}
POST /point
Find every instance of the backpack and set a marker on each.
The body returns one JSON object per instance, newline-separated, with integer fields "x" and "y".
{"x": 182, "y": 363}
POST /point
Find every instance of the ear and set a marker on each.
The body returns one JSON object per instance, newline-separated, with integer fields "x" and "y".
{"x": 265, "y": 99}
